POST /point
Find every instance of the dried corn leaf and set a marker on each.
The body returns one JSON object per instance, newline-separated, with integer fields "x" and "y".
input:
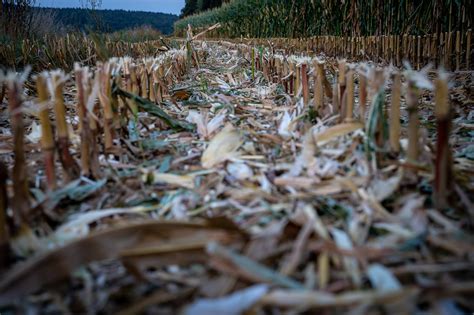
{"x": 185, "y": 181}
{"x": 222, "y": 147}
{"x": 336, "y": 131}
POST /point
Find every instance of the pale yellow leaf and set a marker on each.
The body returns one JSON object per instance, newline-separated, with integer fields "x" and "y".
{"x": 222, "y": 147}
{"x": 186, "y": 181}
{"x": 337, "y": 131}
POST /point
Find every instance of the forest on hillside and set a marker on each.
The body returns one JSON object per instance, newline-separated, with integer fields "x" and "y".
{"x": 20, "y": 19}
{"x": 110, "y": 20}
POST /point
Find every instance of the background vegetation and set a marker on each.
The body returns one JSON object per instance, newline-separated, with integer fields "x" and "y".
{"x": 303, "y": 18}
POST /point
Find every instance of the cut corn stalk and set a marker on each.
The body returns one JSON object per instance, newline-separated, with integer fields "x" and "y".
{"x": 443, "y": 164}
{"x": 105, "y": 97}
{"x": 20, "y": 200}
{"x": 362, "y": 96}
{"x": 304, "y": 81}
{"x": 318, "y": 86}
{"x": 413, "y": 122}
{"x": 47, "y": 139}
{"x": 395, "y": 114}
{"x": 349, "y": 96}
{"x": 70, "y": 167}
{"x": 341, "y": 82}
{"x": 81, "y": 75}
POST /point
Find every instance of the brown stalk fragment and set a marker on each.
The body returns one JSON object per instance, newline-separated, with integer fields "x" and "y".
{"x": 144, "y": 82}
{"x": 20, "y": 201}
{"x": 395, "y": 114}
{"x": 86, "y": 136}
{"x": 47, "y": 139}
{"x": 335, "y": 99}
{"x": 70, "y": 167}
{"x": 362, "y": 96}
{"x": 105, "y": 98}
{"x": 292, "y": 69}
{"x": 126, "y": 75}
{"x": 304, "y": 82}
{"x": 326, "y": 84}
{"x": 341, "y": 81}
{"x": 93, "y": 126}
{"x": 153, "y": 84}
{"x": 443, "y": 163}
{"x": 413, "y": 122}
{"x": 297, "y": 79}
{"x": 349, "y": 96}
{"x": 134, "y": 88}
{"x": 318, "y": 87}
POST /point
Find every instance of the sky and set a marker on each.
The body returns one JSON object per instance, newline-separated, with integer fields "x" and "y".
{"x": 166, "y": 6}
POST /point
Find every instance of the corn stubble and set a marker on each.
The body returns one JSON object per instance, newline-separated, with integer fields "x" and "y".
{"x": 70, "y": 167}
{"x": 347, "y": 157}
{"x": 443, "y": 162}
{"x": 21, "y": 195}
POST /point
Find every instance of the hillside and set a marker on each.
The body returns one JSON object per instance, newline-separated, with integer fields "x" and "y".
{"x": 110, "y": 20}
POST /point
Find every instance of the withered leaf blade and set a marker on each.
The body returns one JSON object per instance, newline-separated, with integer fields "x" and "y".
{"x": 58, "y": 264}
{"x": 223, "y": 146}
{"x": 154, "y": 110}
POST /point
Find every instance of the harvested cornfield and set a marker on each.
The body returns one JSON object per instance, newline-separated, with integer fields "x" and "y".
{"x": 228, "y": 178}
{"x": 63, "y": 51}
{"x": 273, "y": 157}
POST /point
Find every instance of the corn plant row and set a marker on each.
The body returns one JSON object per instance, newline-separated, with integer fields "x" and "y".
{"x": 62, "y": 52}
{"x": 302, "y": 18}
{"x": 303, "y": 77}
{"x": 452, "y": 50}
{"x": 107, "y": 99}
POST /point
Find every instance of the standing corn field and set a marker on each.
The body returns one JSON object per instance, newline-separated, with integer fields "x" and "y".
{"x": 301, "y": 18}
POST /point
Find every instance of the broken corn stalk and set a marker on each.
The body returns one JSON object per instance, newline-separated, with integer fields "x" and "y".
{"x": 362, "y": 96}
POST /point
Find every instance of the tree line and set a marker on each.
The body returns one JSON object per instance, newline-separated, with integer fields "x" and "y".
{"x": 196, "y": 6}
{"x": 111, "y": 20}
